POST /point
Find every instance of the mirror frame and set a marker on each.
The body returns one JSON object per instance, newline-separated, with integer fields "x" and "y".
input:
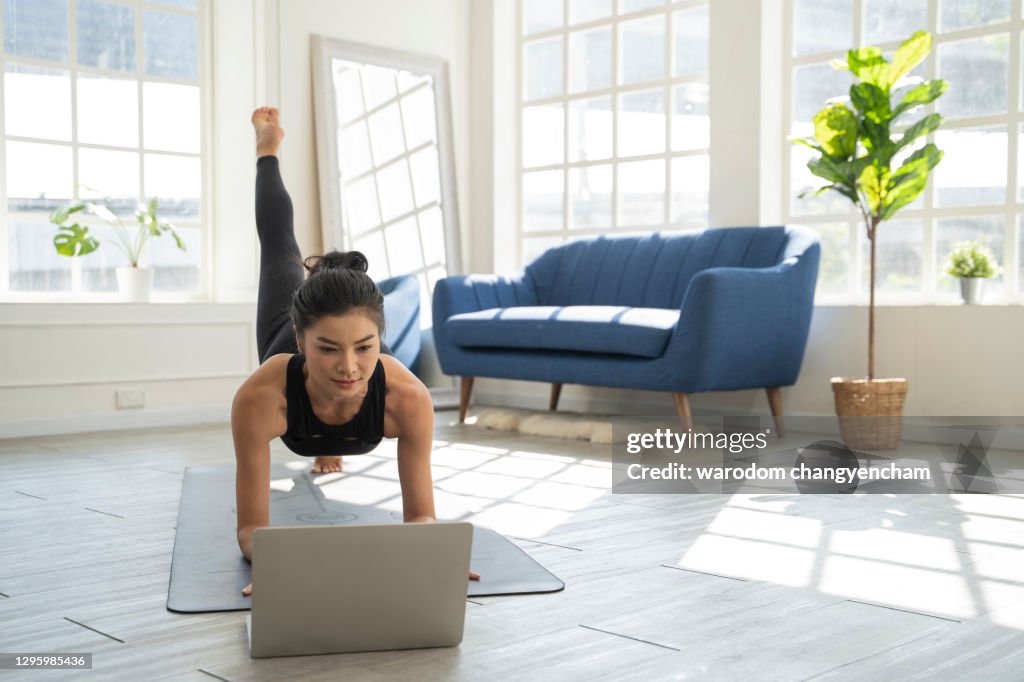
{"x": 326, "y": 49}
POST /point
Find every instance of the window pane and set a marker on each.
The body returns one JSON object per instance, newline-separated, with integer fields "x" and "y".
{"x": 175, "y": 270}
{"x": 33, "y": 262}
{"x": 426, "y": 176}
{"x": 108, "y": 111}
{"x": 590, "y": 196}
{"x": 170, "y": 45}
{"x": 395, "y": 191}
{"x": 641, "y": 188}
{"x": 590, "y": 59}
{"x": 184, "y": 4}
{"x": 590, "y": 129}
{"x": 893, "y": 20}
{"x": 103, "y": 173}
{"x": 533, "y": 248}
{"x": 691, "y": 125}
{"x": 106, "y": 35}
{"x": 174, "y": 181}
{"x": 38, "y": 176}
{"x": 973, "y": 170}
{"x": 542, "y": 72}
{"x": 899, "y": 254}
{"x": 418, "y": 117}
{"x": 987, "y": 231}
{"x": 37, "y": 102}
{"x": 379, "y": 85}
{"x": 432, "y": 233}
{"x": 801, "y": 180}
{"x": 543, "y": 137}
{"x": 403, "y": 242}
{"x": 359, "y": 202}
{"x": 348, "y": 90}
{"x": 977, "y": 71}
{"x": 541, "y": 15}
{"x": 170, "y": 117}
{"x": 642, "y": 123}
{"x": 690, "y": 30}
{"x": 407, "y": 81}
{"x": 812, "y": 86}
{"x": 99, "y": 268}
{"x": 643, "y": 49}
{"x": 543, "y": 196}
{"x": 637, "y": 5}
{"x": 354, "y": 153}
{"x": 822, "y": 26}
{"x": 957, "y": 14}
{"x": 581, "y": 11}
{"x": 36, "y": 28}
{"x": 386, "y": 139}
{"x": 691, "y": 181}
{"x": 372, "y": 246}
{"x": 834, "y": 271}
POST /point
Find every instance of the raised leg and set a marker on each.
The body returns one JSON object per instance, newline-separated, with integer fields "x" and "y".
{"x": 775, "y": 402}
{"x": 682, "y": 401}
{"x": 465, "y": 391}
{"x": 556, "y": 391}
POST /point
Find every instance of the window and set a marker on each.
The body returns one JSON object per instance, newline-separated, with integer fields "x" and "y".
{"x": 100, "y": 99}
{"x": 613, "y": 119}
{"x": 974, "y": 193}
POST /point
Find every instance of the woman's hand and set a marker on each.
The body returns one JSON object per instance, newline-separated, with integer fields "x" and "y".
{"x": 247, "y": 590}
{"x": 473, "y": 575}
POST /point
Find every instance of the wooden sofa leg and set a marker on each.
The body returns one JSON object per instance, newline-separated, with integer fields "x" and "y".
{"x": 775, "y": 401}
{"x": 465, "y": 390}
{"x": 556, "y": 391}
{"x": 683, "y": 408}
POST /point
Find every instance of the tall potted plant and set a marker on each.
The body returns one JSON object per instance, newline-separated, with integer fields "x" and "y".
{"x": 856, "y": 148}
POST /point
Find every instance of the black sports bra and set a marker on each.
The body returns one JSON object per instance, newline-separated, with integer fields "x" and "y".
{"x": 310, "y": 437}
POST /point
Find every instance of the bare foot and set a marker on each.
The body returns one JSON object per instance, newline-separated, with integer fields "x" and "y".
{"x": 268, "y": 132}
{"x": 326, "y": 465}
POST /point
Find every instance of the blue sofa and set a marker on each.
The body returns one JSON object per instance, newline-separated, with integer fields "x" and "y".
{"x": 723, "y": 309}
{"x": 402, "y": 319}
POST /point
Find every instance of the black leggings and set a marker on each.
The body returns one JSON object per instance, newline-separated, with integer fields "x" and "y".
{"x": 281, "y": 271}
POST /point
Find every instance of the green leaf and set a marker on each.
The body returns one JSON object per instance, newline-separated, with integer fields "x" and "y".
{"x": 922, "y": 127}
{"x": 835, "y": 128}
{"x": 869, "y": 182}
{"x": 908, "y": 181}
{"x": 871, "y": 101}
{"x": 810, "y": 143}
{"x": 923, "y": 160}
{"x": 74, "y": 240}
{"x": 920, "y": 95}
{"x": 827, "y": 168}
{"x": 101, "y": 211}
{"x": 868, "y": 64}
{"x": 61, "y": 213}
{"x": 911, "y": 53}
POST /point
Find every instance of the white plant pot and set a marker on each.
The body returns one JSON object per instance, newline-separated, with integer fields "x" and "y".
{"x": 135, "y": 283}
{"x": 972, "y": 289}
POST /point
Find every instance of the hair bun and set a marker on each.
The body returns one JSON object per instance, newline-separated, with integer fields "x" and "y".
{"x": 350, "y": 260}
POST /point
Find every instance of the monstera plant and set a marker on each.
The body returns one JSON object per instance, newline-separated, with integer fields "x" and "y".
{"x": 866, "y": 153}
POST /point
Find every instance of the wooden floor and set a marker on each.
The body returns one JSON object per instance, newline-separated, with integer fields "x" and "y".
{"x": 765, "y": 587}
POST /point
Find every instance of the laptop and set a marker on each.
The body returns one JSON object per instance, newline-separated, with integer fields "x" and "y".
{"x": 339, "y": 589}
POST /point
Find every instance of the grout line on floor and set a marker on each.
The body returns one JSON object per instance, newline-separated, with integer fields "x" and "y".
{"x": 102, "y": 512}
{"x": 28, "y": 495}
{"x": 693, "y": 570}
{"x": 895, "y": 608}
{"x": 94, "y": 630}
{"x": 549, "y": 544}
{"x": 864, "y": 658}
{"x": 635, "y": 639}
{"x": 207, "y": 672}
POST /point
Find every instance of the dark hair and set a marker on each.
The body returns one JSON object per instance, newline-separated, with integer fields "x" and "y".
{"x": 336, "y": 285}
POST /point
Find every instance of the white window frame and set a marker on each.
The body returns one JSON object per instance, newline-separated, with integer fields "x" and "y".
{"x": 204, "y": 73}
{"x": 667, "y": 83}
{"x": 1012, "y": 210}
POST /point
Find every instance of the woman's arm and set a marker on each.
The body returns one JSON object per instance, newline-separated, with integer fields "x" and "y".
{"x": 414, "y": 417}
{"x": 249, "y": 419}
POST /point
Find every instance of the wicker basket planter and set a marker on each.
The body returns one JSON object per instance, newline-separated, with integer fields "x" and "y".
{"x": 870, "y": 412}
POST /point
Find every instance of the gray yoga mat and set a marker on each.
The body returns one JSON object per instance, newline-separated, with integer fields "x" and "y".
{"x": 208, "y": 572}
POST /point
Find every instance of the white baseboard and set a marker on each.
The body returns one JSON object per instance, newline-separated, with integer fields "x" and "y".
{"x": 116, "y": 421}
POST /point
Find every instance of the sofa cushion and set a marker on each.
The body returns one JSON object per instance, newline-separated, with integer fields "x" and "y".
{"x": 642, "y": 332}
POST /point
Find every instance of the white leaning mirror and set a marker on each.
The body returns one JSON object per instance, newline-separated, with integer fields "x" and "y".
{"x": 385, "y": 160}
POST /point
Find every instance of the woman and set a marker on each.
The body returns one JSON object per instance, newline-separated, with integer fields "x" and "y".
{"x": 323, "y": 385}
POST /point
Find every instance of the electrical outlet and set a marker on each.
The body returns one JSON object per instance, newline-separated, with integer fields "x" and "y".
{"x": 129, "y": 400}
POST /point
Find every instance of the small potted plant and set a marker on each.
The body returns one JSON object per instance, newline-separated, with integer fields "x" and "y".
{"x": 972, "y": 264}
{"x": 858, "y": 144}
{"x": 73, "y": 239}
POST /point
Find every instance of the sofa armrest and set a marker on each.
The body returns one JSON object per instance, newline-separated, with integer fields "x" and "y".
{"x": 745, "y": 327}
